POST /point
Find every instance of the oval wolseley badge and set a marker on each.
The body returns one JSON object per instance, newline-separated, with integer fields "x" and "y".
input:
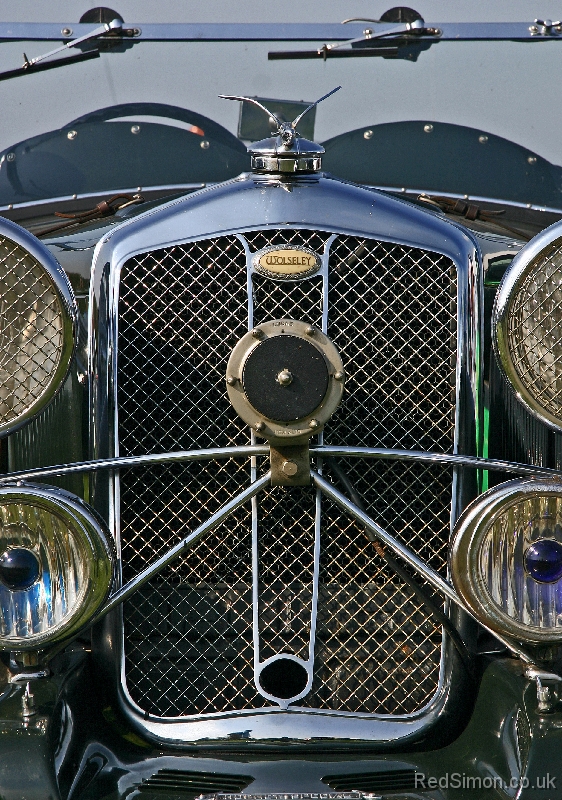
{"x": 287, "y": 262}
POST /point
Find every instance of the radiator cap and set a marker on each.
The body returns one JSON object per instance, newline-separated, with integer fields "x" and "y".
{"x": 286, "y": 151}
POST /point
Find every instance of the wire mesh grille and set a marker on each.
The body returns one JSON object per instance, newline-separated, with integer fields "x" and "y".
{"x": 400, "y": 305}
{"x": 377, "y": 649}
{"x": 276, "y": 300}
{"x": 31, "y": 331}
{"x": 534, "y": 332}
{"x": 181, "y": 312}
{"x": 189, "y": 644}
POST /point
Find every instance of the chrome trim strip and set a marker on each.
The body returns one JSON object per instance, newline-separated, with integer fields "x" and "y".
{"x": 251, "y": 451}
{"x": 322, "y": 271}
{"x": 84, "y": 200}
{"x": 80, "y": 201}
{"x": 433, "y": 458}
{"x": 120, "y": 462}
{"x": 409, "y": 558}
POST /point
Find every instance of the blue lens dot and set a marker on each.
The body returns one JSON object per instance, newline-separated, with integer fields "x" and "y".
{"x": 543, "y": 561}
{"x": 19, "y": 569}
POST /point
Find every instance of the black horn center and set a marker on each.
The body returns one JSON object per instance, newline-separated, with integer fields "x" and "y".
{"x": 285, "y": 378}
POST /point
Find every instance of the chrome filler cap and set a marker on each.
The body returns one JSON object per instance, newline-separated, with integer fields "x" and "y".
{"x": 286, "y": 151}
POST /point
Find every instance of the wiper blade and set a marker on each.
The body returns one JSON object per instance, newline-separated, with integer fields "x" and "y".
{"x": 386, "y": 51}
{"x": 30, "y": 69}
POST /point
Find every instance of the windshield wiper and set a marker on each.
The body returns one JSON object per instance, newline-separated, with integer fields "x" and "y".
{"x": 113, "y": 28}
{"x": 385, "y": 43}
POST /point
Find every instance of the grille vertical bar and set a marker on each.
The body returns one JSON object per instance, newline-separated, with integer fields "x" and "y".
{"x": 392, "y": 314}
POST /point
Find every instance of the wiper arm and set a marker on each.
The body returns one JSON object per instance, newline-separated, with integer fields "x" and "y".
{"x": 370, "y": 44}
{"x": 113, "y": 28}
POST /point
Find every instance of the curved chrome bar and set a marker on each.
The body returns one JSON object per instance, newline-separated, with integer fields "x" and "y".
{"x": 434, "y": 458}
{"x": 181, "y": 456}
{"x": 429, "y": 574}
{"x": 120, "y": 462}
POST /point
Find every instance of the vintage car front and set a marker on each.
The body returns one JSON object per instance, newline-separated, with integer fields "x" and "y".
{"x": 281, "y": 502}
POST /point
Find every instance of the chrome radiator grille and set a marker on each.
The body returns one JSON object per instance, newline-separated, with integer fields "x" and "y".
{"x": 189, "y": 634}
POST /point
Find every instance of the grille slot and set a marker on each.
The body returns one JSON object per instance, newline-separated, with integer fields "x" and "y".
{"x": 181, "y": 311}
{"x": 394, "y": 780}
{"x": 191, "y": 784}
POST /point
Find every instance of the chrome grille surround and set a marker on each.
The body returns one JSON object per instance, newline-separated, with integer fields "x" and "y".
{"x": 195, "y": 714}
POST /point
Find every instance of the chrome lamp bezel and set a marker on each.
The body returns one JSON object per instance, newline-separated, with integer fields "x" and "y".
{"x": 69, "y": 311}
{"x": 464, "y": 553}
{"x": 100, "y": 547}
{"x": 549, "y": 240}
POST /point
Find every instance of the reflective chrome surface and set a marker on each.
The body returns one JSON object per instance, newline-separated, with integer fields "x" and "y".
{"x": 337, "y": 210}
{"x": 286, "y": 151}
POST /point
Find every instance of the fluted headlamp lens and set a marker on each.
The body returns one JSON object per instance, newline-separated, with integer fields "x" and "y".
{"x": 56, "y": 566}
{"x": 506, "y": 560}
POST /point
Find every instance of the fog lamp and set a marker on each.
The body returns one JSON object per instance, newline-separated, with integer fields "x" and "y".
{"x": 56, "y": 566}
{"x": 506, "y": 559}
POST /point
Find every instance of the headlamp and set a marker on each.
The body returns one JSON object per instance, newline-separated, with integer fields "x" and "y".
{"x": 506, "y": 560}
{"x": 37, "y": 326}
{"x": 527, "y": 323}
{"x": 56, "y": 566}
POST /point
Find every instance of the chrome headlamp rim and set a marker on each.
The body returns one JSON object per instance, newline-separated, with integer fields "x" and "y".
{"x": 101, "y": 550}
{"x": 549, "y": 240}
{"x": 59, "y": 280}
{"x": 464, "y": 553}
